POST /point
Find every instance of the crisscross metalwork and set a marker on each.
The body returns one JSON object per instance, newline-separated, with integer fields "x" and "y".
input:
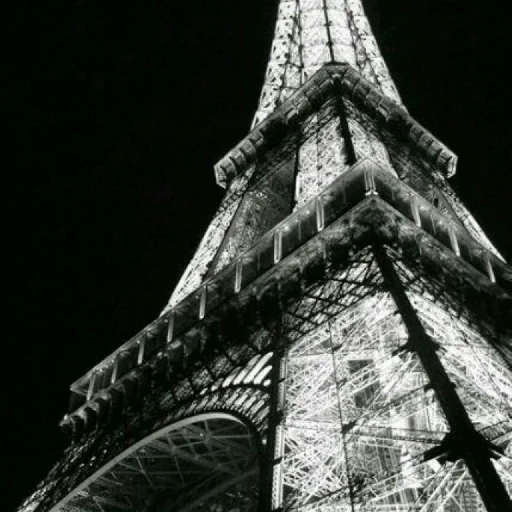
{"x": 342, "y": 338}
{"x": 311, "y": 33}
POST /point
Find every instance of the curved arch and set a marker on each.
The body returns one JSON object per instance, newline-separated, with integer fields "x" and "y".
{"x": 169, "y": 403}
{"x": 214, "y": 425}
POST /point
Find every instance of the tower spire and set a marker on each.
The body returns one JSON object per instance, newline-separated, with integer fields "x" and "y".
{"x": 311, "y": 33}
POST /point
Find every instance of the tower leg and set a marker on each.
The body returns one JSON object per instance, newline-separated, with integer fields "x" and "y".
{"x": 465, "y": 441}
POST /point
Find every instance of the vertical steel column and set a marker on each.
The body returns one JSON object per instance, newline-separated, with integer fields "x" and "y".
{"x": 271, "y": 491}
{"x": 467, "y": 443}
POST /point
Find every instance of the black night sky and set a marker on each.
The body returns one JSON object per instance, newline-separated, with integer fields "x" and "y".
{"x": 117, "y": 113}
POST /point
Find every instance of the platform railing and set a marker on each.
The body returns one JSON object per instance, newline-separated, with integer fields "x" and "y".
{"x": 362, "y": 180}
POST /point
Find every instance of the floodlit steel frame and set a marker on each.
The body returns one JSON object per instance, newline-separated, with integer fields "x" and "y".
{"x": 351, "y": 351}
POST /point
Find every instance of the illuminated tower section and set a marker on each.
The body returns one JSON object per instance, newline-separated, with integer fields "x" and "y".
{"x": 342, "y": 338}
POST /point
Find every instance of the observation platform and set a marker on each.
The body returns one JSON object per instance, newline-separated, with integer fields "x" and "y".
{"x": 366, "y": 194}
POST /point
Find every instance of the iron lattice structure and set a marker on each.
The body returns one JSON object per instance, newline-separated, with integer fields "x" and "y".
{"x": 342, "y": 338}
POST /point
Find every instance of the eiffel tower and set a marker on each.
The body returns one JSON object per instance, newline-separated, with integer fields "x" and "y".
{"x": 342, "y": 338}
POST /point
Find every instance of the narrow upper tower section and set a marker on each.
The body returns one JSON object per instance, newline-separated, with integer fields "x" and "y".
{"x": 311, "y": 33}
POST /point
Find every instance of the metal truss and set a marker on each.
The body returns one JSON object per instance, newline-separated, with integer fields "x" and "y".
{"x": 467, "y": 219}
{"x": 235, "y": 370}
{"x": 198, "y": 464}
{"x": 324, "y": 147}
{"x": 211, "y": 241}
{"x": 311, "y": 33}
{"x": 187, "y": 438}
{"x": 323, "y": 154}
{"x": 363, "y": 427}
{"x": 337, "y": 394}
{"x": 338, "y": 341}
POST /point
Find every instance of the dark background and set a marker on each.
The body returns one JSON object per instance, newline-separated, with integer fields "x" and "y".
{"x": 116, "y": 115}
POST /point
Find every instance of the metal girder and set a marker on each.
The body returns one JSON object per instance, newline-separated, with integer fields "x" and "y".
{"x": 361, "y": 416}
{"x": 210, "y": 491}
{"x": 472, "y": 447}
{"x": 201, "y": 461}
{"x": 358, "y": 423}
